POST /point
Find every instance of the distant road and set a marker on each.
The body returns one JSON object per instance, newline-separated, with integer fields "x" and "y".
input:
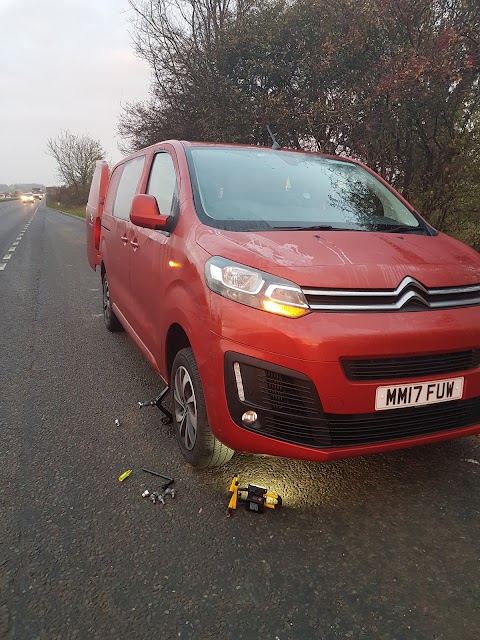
{"x": 13, "y": 216}
{"x": 379, "y": 548}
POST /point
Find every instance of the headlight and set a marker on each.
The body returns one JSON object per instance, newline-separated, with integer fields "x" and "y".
{"x": 255, "y": 288}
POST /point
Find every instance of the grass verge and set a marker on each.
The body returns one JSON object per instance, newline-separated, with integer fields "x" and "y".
{"x": 74, "y": 211}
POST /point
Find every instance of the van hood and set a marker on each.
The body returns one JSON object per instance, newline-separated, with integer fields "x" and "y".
{"x": 347, "y": 259}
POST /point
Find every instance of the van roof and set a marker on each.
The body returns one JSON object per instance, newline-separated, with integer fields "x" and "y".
{"x": 189, "y": 143}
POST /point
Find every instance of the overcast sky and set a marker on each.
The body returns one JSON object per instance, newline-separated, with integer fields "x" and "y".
{"x": 64, "y": 64}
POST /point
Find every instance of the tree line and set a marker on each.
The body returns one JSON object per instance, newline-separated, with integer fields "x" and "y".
{"x": 394, "y": 83}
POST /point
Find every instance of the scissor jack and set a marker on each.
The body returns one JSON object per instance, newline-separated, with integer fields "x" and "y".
{"x": 167, "y": 417}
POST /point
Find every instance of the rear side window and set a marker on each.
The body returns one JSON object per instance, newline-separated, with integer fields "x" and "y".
{"x": 162, "y": 184}
{"x": 127, "y": 188}
{"x": 94, "y": 194}
{"x": 94, "y": 187}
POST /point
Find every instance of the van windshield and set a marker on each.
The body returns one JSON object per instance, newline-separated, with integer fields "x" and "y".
{"x": 243, "y": 189}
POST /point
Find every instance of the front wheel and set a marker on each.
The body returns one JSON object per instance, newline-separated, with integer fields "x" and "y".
{"x": 199, "y": 446}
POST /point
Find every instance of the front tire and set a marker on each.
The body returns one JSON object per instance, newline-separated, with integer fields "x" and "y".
{"x": 111, "y": 321}
{"x": 199, "y": 446}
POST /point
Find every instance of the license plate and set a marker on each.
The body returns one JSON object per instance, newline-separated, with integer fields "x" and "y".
{"x": 421, "y": 393}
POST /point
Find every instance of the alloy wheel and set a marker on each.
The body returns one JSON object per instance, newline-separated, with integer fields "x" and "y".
{"x": 185, "y": 407}
{"x": 106, "y": 300}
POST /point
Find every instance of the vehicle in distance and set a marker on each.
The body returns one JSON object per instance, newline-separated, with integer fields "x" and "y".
{"x": 27, "y": 197}
{"x": 295, "y": 303}
{"x": 37, "y": 193}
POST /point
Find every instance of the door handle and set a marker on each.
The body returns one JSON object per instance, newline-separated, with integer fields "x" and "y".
{"x": 134, "y": 244}
{"x": 124, "y": 239}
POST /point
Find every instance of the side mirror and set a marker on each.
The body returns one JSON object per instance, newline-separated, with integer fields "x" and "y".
{"x": 145, "y": 213}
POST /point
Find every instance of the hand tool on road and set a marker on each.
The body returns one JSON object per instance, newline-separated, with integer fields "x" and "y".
{"x": 232, "y": 504}
{"x": 157, "y": 402}
{"x": 161, "y": 475}
{"x": 256, "y": 499}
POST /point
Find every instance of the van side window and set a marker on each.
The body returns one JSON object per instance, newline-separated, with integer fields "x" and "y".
{"x": 132, "y": 170}
{"x": 162, "y": 183}
{"x": 112, "y": 188}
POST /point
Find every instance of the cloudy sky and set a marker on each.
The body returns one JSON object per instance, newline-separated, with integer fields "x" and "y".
{"x": 64, "y": 64}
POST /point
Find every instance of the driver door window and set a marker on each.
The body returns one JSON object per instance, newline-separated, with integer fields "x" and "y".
{"x": 162, "y": 184}
{"x": 131, "y": 174}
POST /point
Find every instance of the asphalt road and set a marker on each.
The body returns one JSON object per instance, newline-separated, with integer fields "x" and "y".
{"x": 384, "y": 547}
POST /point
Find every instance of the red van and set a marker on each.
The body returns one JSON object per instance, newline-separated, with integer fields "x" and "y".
{"x": 294, "y": 302}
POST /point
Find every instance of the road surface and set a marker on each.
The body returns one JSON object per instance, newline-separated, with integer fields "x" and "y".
{"x": 384, "y": 547}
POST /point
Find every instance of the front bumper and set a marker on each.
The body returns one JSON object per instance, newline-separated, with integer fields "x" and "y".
{"x": 312, "y": 409}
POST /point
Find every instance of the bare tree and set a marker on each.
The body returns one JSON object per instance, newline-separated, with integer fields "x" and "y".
{"x": 192, "y": 96}
{"x": 75, "y": 156}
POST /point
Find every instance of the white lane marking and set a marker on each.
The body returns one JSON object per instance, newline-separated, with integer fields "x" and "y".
{"x": 14, "y": 244}
{"x": 2, "y": 266}
{"x": 7, "y": 256}
{"x": 12, "y": 248}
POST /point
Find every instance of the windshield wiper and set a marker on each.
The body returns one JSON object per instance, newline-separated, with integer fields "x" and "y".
{"x": 315, "y": 227}
{"x": 403, "y": 229}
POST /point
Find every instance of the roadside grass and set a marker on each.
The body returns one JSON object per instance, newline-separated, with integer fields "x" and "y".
{"x": 79, "y": 212}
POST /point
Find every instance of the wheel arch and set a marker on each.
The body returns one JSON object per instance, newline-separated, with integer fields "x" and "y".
{"x": 176, "y": 340}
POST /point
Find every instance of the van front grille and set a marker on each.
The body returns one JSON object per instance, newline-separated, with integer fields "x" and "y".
{"x": 410, "y": 295}
{"x": 410, "y": 367}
